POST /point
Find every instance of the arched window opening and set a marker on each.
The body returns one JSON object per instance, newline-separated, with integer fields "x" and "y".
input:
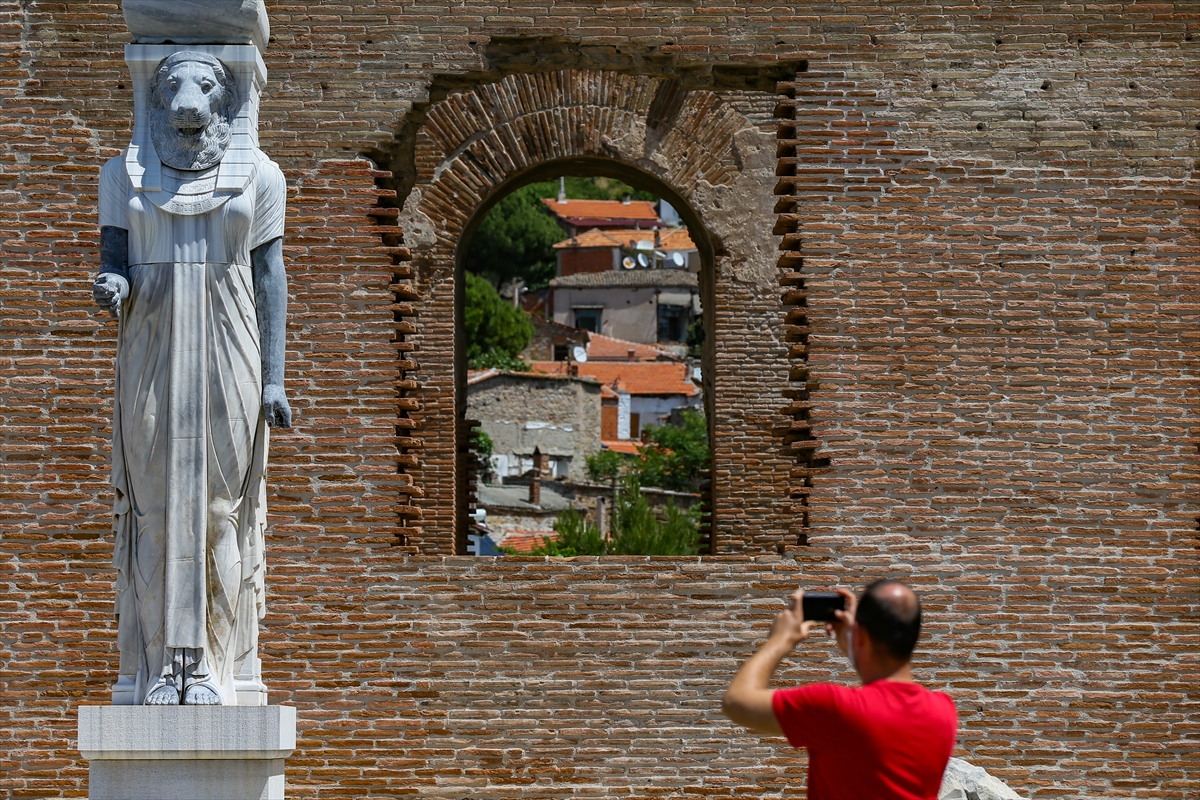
{"x": 582, "y": 343}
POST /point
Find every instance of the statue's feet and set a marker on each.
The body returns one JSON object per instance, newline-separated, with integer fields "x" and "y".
{"x": 203, "y": 693}
{"x": 162, "y": 693}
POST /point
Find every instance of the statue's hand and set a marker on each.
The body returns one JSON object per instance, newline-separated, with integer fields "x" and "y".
{"x": 110, "y": 290}
{"x": 276, "y": 408}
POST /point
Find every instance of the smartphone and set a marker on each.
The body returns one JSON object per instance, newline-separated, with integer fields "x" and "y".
{"x": 819, "y": 606}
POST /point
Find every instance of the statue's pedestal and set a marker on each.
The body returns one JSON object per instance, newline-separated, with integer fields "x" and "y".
{"x": 169, "y": 752}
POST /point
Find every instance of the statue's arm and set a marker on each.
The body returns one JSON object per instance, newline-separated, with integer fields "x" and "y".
{"x": 270, "y": 301}
{"x": 112, "y": 284}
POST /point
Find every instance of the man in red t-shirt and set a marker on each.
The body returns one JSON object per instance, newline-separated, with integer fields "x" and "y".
{"x": 890, "y": 737}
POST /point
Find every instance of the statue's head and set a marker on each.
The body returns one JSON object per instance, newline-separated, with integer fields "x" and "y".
{"x": 193, "y": 100}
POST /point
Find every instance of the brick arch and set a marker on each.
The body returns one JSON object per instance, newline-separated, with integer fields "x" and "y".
{"x": 476, "y": 145}
{"x": 477, "y": 142}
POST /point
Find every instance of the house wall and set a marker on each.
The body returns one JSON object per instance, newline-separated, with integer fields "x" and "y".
{"x": 561, "y": 417}
{"x": 629, "y": 314}
{"x": 654, "y": 409}
{"x": 574, "y": 260}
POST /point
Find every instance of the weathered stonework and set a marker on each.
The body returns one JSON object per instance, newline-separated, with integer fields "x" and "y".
{"x": 990, "y": 334}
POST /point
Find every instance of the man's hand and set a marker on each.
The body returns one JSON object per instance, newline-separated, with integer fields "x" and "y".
{"x": 110, "y": 290}
{"x": 789, "y": 625}
{"x": 843, "y": 626}
{"x": 275, "y": 407}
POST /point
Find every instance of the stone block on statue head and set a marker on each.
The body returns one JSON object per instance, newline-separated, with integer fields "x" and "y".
{"x": 198, "y": 22}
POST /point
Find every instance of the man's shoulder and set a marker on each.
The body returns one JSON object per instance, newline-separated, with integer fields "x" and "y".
{"x": 817, "y": 693}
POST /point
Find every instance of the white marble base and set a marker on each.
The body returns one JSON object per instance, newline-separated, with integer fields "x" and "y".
{"x": 176, "y": 752}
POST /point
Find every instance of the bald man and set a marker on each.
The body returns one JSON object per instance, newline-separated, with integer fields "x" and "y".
{"x": 888, "y": 738}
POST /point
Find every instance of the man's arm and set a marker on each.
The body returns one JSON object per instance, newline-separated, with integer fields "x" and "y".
{"x": 748, "y": 698}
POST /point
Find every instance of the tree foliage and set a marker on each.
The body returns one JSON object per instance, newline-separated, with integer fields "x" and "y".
{"x": 516, "y": 239}
{"x": 675, "y": 456}
{"x": 605, "y": 465}
{"x": 638, "y": 529}
{"x": 494, "y": 331}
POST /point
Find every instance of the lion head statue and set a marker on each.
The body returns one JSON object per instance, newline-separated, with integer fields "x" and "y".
{"x": 193, "y": 100}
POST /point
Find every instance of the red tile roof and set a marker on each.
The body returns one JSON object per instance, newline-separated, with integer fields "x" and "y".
{"x": 635, "y": 377}
{"x": 606, "y": 348}
{"x": 621, "y": 446}
{"x": 670, "y": 238}
{"x": 603, "y": 209}
{"x": 523, "y": 540}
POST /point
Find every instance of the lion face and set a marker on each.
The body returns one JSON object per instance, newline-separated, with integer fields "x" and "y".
{"x": 192, "y": 102}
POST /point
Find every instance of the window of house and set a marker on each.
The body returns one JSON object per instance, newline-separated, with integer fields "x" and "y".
{"x": 560, "y": 352}
{"x": 588, "y": 318}
{"x": 672, "y": 323}
{"x": 635, "y": 426}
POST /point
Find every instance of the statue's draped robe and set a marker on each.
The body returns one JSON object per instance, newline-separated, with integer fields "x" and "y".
{"x": 189, "y": 437}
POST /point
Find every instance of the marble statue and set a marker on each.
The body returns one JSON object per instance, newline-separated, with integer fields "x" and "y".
{"x": 192, "y": 218}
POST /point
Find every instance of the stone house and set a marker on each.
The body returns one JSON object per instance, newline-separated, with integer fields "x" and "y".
{"x": 638, "y": 393}
{"x": 555, "y": 414}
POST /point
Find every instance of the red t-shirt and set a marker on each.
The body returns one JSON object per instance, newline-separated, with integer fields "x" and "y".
{"x": 883, "y": 740}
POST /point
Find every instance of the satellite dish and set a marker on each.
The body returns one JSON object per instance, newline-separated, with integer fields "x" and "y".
{"x": 579, "y": 353}
{"x": 628, "y": 263}
{"x": 644, "y": 244}
{"x": 645, "y": 262}
{"x": 677, "y": 259}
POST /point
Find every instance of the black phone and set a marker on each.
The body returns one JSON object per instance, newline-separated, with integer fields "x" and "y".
{"x": 819, "y": 606}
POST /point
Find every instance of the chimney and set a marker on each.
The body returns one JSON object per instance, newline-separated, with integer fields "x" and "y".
{"x": 631, "y": 353}
{"x": 562, "y": 191}
{"x": 535, "y": 489}
{"x": 657, "y": 239}
{"x": 626, "y": 199}
{"x": 539, "y": 461}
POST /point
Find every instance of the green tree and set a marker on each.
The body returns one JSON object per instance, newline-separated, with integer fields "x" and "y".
{"x": 495, "y": 332}
{"x": 638, "y": 531}
{"x": 676, "y": 456}
{"x": 516, "y": 239}
{"x": 605, "y": 465}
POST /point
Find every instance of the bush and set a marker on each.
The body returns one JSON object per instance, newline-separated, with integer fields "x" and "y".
{"x": 637, "y": 530}
{"x": 676, "y": 456}
{"x": 605, "y": 465}
{"x": 495, "y": 331}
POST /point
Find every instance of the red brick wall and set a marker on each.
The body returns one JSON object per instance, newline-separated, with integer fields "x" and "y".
{"x": 990, "y": 291}
{"x": 574, "y": 260}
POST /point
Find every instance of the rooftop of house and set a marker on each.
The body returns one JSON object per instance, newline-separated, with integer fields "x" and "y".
{"x": 621, "y": 446}
{"x": 607, "y": 348}
{"x": 658, "y": 378}
{"x": 628, "y": 279}
{"x": 602, "y": 211}
{"x": 516, "y": 498}
{"x": 523, "y": 541}
{"x": 476, "y": 376}
{"x": 669, "y": 239}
